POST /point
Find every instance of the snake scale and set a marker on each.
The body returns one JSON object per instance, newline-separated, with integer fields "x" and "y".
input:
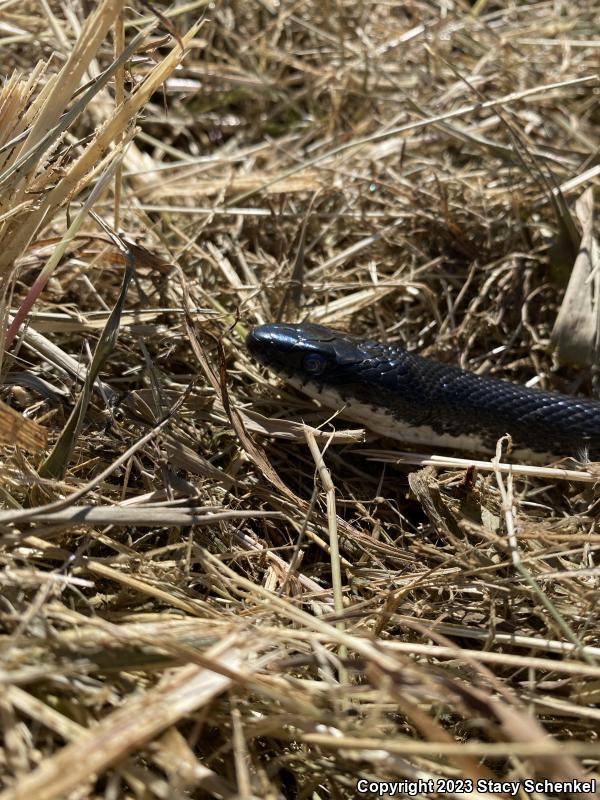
{"x": 425, "y": 402}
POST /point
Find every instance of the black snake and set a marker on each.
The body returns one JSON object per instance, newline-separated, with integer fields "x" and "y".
{"x": 425, "y": 402}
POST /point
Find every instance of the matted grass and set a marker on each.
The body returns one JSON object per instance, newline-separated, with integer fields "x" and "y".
{"x": 211, "y": 586}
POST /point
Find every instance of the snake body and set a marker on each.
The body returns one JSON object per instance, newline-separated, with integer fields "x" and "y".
{"x": 425, "y": 402}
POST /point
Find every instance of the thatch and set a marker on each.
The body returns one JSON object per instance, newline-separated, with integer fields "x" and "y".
{"x": 211, "y": 586}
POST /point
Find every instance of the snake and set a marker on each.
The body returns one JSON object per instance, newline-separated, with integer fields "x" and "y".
{"x": 423, "y": 402}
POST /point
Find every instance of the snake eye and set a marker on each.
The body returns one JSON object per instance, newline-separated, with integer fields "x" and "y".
{"x": 314, "y": 363}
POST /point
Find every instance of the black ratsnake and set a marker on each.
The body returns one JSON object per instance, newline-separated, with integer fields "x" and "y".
{"x": 425, "y": 402}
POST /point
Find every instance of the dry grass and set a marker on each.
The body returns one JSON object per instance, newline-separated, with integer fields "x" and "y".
{"x": 200, "y": 596}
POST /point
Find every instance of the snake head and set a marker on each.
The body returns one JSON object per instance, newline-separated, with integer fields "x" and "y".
{"x": 306, "y": 352}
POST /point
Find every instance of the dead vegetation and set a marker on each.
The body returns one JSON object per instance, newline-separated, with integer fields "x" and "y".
{"x": 200, "y": 596}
